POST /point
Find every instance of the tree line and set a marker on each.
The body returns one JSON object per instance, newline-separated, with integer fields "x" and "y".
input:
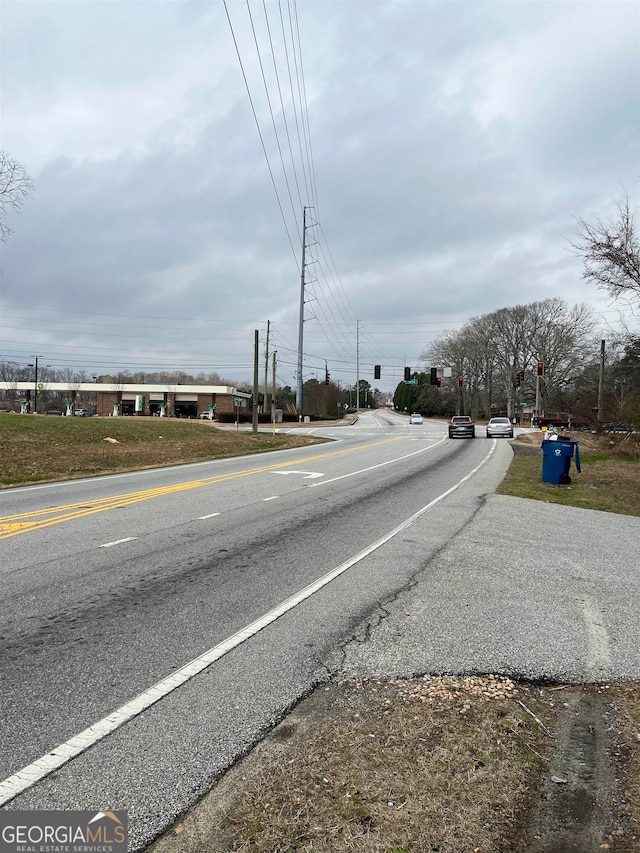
{"x": 543, "y": 353}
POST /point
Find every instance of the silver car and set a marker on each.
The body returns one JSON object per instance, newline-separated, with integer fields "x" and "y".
{"x": 499, "y": 426}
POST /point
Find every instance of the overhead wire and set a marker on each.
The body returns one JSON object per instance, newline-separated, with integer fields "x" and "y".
{"x": 305, "y": 114}
{"x": 282, "y": 107}
{"x": 293, "y": 100}
{"x": 327, "y": 297}
{"x": 273, "y": 121}
{"x": 255, "y": 116}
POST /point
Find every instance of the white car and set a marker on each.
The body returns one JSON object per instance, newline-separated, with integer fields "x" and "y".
{"x": 499, "y": 426}
{"x": 415, "y": 418}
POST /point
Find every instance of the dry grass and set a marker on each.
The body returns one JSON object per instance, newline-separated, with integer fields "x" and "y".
{"x": 403, "y": 766}
{"x": 431, "y": 764}
{"x": 627, "y": 702}
{"x": 609, "y": 481}
{"x": 402, "y": 775}
{"x": 36, "y": 449}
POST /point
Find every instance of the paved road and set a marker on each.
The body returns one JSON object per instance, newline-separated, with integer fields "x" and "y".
{"x": 417, "y": 567}
{"x": 528, "y": 589}
{"x": 117, "y": 590}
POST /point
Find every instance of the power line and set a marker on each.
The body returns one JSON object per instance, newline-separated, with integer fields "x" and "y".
{"x": 284, "y": 112}
{"x": 255, "y": 116}
{"x": 273, "y": 121}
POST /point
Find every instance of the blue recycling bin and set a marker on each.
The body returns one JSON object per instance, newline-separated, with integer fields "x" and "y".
{"x": 556, "y": 460}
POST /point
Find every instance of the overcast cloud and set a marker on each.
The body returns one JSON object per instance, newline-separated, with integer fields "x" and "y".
{"x": 452, "y": 144}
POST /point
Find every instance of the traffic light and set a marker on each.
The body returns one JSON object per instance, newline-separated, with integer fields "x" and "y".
{"x": 439, "y": 381}
{"x": 433, "y": 380}
{"x": 407, "y": 374}
{"x": 460, "y": 381}
{"x": 520, "y": 378}
{"x": 327, "y": 375}
{"x": 540, "y": 368}
{"x": 376, "y": 371}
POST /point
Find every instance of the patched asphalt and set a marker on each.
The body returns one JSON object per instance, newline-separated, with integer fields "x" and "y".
{"x": 529, "y": 589}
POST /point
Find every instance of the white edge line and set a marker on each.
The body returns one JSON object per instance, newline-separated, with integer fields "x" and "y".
{"x": 28, "y": 776}
{"x": 117, "y": 542}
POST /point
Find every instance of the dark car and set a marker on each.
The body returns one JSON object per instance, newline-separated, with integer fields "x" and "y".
{"x": 462, "y": 426}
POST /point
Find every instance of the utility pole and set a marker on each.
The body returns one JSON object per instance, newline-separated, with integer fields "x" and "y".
{"x": 266, "y": 370}
{"x": 35, "y": 395}
{"x": 601, "y": 384}
{"x": 273, "y": 393}
{"x": 301, "y": 318}
{"x": 254, "y": 412}
{"x": 358, "y": 365}
{"x": 35, "y": 382}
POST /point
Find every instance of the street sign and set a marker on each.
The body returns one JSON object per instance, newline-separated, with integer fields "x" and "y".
{"x": 410, "y": 381}
{"x": 237, "y": 401}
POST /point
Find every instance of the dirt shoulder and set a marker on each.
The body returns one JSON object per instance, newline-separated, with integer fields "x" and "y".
{"x": 435, "y": 763}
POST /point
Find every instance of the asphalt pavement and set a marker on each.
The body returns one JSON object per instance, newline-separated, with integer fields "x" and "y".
{"x": 537, "y": 591}
{"x": 534, "y": 590}
{"x": 530, "y": 589}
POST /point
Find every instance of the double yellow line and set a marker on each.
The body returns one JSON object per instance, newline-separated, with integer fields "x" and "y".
{"x": 15, "y": 525}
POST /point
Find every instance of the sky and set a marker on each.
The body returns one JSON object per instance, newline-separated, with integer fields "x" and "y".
{"x": 442, "y": 150}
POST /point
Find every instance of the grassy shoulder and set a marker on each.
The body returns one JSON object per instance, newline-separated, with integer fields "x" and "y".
{"x": 36, "y": 449}
{"x": 609, "y": 481}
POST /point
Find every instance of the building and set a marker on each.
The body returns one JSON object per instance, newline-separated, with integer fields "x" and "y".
{"x": 117, "y": 398}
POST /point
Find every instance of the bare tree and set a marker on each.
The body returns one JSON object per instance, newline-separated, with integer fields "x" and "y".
{"x": 490, "y": 352}
{"x": 15, "y": 189}
{"x": 611, "y": 252}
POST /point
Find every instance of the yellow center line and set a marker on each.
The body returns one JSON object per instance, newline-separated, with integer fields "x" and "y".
{"x": 15, "y": 525}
